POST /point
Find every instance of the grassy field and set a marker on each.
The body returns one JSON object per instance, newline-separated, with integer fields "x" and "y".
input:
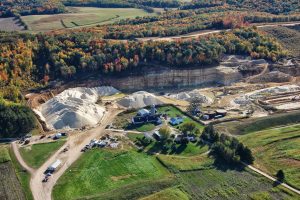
{"x": 186, "y": 163}
{"x": 168, "y": 194}
{"x": 81, "y": 16}
{"x": 9, "y": 24}
{"x": 98, "y": 172}
{"x": 4, "y": 154}
{"x": 230, "y": 184}
{"x": 252, "y": 125}
{"x": 191, "y": 149}
{"x": 145, "y": 127}
{"x": 276, "y": 149}
{"x": 36, "y": 154}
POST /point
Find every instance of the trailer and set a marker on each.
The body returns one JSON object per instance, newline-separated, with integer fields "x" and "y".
{"x": 54, "y": 166}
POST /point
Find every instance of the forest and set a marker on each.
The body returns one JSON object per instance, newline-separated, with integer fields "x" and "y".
{"x": 15, "y": 119}
{"x": 226, "y": 149}
{"x": 30, "y": 7}
{"x": 178, "y": 23}
{"x": 45, "y": 57}
{"x": 270, "y": 6}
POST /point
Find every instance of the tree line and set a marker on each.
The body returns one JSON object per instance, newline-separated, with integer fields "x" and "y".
{"x": 225, "y": 148}
{"x": 16, "y": 120}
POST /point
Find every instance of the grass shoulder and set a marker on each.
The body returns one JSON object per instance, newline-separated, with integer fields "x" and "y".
{"x": 35, "y": 155}
{"x": 22, "y": 175}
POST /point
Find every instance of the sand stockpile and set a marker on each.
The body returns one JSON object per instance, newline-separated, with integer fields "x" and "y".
{"x": 273, "y": 90}
{"x": 139, "y": 100}
{"x": 74, "y": 108}
{"x": 188, "y": 96}
{"x": 246, "y": 99}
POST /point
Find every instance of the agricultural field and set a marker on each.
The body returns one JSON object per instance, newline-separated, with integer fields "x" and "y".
{"x": 10, "y": 187}
{"x": 80, "y": 17}
{"x": 35, "y": 155}
{"x": 22, "y": 174}
{"x": 185, "y": 163}
{"x": 275, "y": 149}
{"x": 100, "y": 172}
{"x": 10, "y": 24}
{"x": 224, "y": 183}
{"x": 173, "y": 193}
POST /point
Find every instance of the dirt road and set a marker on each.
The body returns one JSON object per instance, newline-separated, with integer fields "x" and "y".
{"x": 43, "y": 191}
{"x": 75, "y": 142}
{"x": 20, "y": 159}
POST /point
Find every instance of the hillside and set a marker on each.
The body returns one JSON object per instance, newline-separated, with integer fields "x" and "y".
{"x": 275, "y": 7}
{"x": 289, "y": 37}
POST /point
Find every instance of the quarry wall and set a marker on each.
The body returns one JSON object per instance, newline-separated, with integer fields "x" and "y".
{"x": 175, "y": 78}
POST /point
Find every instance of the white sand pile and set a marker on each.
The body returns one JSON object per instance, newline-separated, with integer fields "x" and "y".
{"x": 188, "y": 96}
{"x": 242, "y": 100}
{"x": 139, "y": 100}
{"x": 74, "y": 108}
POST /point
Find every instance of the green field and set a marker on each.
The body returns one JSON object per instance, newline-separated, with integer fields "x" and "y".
{"x": 145, "y": 127}
{"x": 185, "y": 163}
{"x": 35, "y": 155}
{"x": 230, "y": 184}
{"x": 251, "y": 125}
{"x": 276, "y": 149}
{"x": 80, "y": 17}
{"x": 98, "y": 172}
{"x": 190, "y": 149}
{"x": 168, "y": 194}
{"x": 4, "y": 154}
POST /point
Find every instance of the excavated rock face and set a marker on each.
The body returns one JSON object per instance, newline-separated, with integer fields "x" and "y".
{"x": 291, "y": 67}
{"x": 177, "y": 78}
{"x": 274, "y": 76}
{"x": 232, "y": 69}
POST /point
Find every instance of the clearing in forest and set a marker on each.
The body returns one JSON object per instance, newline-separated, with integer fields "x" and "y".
{"x": 80, "y": 17}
